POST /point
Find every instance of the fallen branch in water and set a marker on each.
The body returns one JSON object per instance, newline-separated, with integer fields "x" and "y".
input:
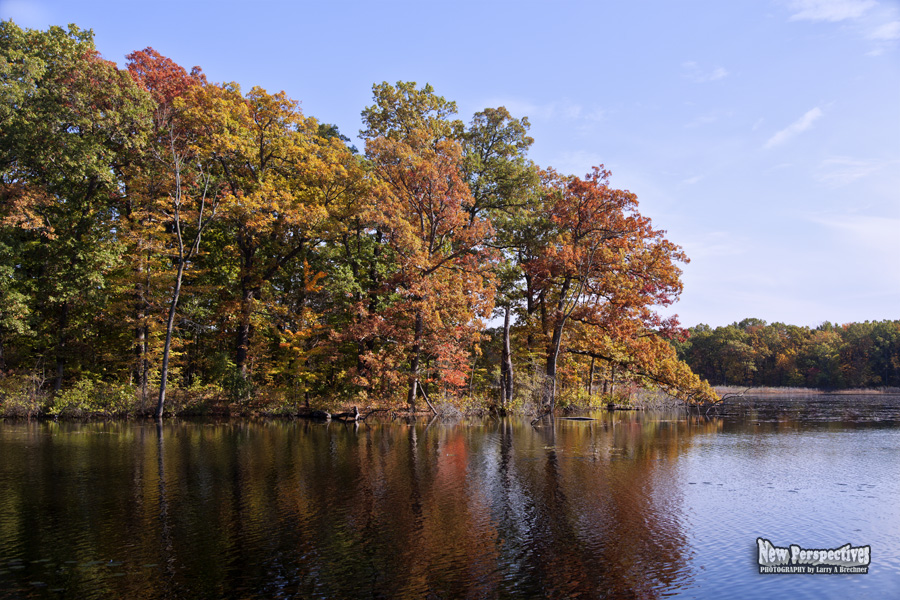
{"x": 723, "y": 398}
{"x": 427, "y": 401}
{"x": 372, "y": 412}
{"x": 547, "y": 411}
{"x": 732, "y": 395}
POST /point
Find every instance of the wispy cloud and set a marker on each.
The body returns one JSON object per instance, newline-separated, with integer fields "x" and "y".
{"x": 795, "y": 128}
{"x": 577, "y": 162}
{"x": 695, "y": 73}
{"x": 879, "y": 23}
{"x": 829, "y": 10}
{"x": 886, "y": 33}
{"x": 708, "y": 118}
{"x": 877, "y": 234}
{"x": 560, "y": 109}
{"x": 716, "y": 244}
{"x": 840, "y": 171}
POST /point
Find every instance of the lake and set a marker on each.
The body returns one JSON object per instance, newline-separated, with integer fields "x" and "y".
{"x": 629, "y": 505}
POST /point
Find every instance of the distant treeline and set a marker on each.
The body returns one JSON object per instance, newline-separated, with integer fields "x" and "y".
{"x": 754, "y": 353}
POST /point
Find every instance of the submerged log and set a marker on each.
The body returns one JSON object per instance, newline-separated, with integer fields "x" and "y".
{"x": 352, "y": 415}
{"x": 613, "y": 406}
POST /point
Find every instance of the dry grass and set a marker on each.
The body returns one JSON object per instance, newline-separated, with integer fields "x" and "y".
{"x": 799, "y": 391}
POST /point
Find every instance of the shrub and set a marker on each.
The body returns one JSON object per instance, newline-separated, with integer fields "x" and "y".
{"x": 89, "y": 398}
{"x": 21, "y": 396}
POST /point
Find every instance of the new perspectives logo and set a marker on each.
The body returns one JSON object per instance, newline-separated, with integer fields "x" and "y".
{"x": 794, "y": 559}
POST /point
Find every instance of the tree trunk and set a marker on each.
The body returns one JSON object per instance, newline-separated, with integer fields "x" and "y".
{"x": 506, "y": 366}
{"x": 141, "y": 342}
{"x": 530, "y": 307}
{"x": 591, "y": 378}
{"x": 414, "y": 364}
{"x": 170, "y": 327}
{"x": 61, "y": 346}
{"x": 552, "y": 356}
{"x": 243, "y": 332}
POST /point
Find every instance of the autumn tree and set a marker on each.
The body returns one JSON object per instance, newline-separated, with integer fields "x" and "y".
{"x": 505, "y": 187}
{"x": 282, "y": 185}
{"x": 438, "y": 286}
{"x": 169, "y": 187}
{"x": 604, "y": 268}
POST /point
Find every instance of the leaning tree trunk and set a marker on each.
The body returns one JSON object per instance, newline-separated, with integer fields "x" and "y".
{"x": 167, "y": 347}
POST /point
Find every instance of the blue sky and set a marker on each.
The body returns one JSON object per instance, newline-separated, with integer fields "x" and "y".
{"x": 763, "y": 135}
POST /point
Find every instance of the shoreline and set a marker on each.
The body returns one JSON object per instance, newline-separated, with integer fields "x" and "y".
{"x": 24, "y": 410}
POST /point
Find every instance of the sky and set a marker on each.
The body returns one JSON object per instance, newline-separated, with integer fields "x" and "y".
{"x": 762, "y": 135}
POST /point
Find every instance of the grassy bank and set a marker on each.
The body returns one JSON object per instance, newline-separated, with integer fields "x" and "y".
{"x": 800, "y": 391}
{"x": 26, "y": 398}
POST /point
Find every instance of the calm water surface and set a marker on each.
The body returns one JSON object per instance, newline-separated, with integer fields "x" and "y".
{"x": 629, "y": 505}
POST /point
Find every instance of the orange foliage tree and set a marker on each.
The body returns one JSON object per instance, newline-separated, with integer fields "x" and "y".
{"x": 438, "y": 287}
{"x": 604, "y": 268}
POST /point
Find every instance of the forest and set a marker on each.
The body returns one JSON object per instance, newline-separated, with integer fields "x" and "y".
{"x": 168, "y": 243}
{"x": 830, "y": 357}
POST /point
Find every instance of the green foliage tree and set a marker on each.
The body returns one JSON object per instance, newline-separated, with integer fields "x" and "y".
{"x": 70, "y": 122}
{"x": 751, "y": 352}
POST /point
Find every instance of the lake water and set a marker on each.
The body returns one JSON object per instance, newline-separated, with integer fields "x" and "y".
{"x": 630, "y": 505}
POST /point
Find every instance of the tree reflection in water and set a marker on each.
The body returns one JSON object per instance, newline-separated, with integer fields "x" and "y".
{"x": 478, "y": 509}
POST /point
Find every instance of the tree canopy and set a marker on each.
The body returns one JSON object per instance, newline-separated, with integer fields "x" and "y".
{"x": 157, "y": 227}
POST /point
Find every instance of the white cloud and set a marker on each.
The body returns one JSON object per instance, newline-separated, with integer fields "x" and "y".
{"x": 829, "y": 10}
{"x": 698, "y": 75}
{"x": 692, "y": 180}
{"x": 795, "y": 128}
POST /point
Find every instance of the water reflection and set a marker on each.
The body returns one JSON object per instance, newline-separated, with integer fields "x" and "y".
{"x": 496, "y": 509}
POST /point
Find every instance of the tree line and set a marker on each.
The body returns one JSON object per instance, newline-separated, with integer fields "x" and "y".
{"x": 754, "y": 353}
{"x": 159, "y": 230}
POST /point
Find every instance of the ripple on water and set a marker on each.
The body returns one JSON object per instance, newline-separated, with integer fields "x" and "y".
{"x": 631, "y": 508}
{"x": 814, "y": 488}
